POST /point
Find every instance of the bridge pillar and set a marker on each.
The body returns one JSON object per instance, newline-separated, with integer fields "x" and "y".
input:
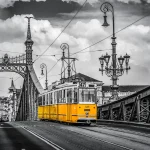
{"x": 23, "y": 103}
{"x": 110, "y": 112}
{"x": 123, "y": 111}
{"x": 28, "y": 44}
{"x": 138, "y": 108}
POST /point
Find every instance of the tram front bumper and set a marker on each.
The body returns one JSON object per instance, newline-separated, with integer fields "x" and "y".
{"x": 86, "y": 120}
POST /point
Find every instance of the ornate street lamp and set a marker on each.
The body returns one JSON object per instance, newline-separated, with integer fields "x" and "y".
{"x": 116, "y": 68}
{"x": 42, "y": 66}
{"x": 65, "y": 46}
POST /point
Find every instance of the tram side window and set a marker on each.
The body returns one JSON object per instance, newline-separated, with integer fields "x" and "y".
{"x": 50, "y": 102}
{"x": 64, "y": 96}
{"x": 40, "y": 101}
{"x": 52, "y": 95}
{"x": 55, "y": 97}
{"x": 75, "y": 95}
{"x": 69, "y": 95}
{"x": 46, "y": 99}
{"x": 43, "y": 100}
{"x": 60, "y": 96}
{"x": 49, "y": 98}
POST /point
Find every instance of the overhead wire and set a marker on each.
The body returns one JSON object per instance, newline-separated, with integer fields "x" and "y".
{"x": 84, "y": 48}
{"x": 51, "y": 68}
{"x": 62, "y": 30}
{"x": 110, "y": 35}
{"x": 100, "y": 40}
{"x": 33, "y": 53}
{"x": 60, "y": 58}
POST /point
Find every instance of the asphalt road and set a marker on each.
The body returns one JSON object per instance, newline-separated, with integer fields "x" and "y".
{"x": 51, "y": 135}
{"x": 14, "y": 137}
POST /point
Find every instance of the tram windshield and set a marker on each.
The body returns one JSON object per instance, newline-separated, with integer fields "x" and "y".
{"x": 87, "y": 95}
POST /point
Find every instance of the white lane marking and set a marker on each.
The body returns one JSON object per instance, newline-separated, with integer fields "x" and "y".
{"x": 102, "y": 140}
{"x": 55, "y": 146}
{"x": 1, "y": 124}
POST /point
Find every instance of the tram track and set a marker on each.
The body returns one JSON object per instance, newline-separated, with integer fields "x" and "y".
{"x": 123, "y": 130}
{"x": 104, "y": 141}
{"x": 56, "y": 130}
{"x": 120, "y": 146}
{"x": 122, "y": 137}
{"x": 57, "y": 135}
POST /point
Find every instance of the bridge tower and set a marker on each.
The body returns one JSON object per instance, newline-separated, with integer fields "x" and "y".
{"x": 29, "y": 43}
{"x": 29, "y": 64}
{"x": 23, "y": 65}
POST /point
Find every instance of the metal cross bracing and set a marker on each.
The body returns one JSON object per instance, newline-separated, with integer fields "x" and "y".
{"x": 23, "y": 65}
{"x": 135, "y": 108}
{"x": 14, "y": 64}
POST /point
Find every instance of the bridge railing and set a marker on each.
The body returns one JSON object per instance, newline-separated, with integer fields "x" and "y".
{"x": 135, "y": 108}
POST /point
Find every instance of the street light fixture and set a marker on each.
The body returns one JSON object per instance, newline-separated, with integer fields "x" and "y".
{"x": 105, "y": 24}
{"x": 115, "y": 69}
{"x": 42, "y": 66}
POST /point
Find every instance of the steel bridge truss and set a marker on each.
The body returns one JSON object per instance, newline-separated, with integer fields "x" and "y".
{"x": 23, "y": 65}
{"x": 134, "y": 108}
{"x": 27, "y": 108}
{"x": 14, "y": 64}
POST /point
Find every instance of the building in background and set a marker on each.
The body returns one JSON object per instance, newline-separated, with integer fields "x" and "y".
{"x": 13, "y": 101}
{"x": 123, "y": 91}
{"x": 3, "y": 108}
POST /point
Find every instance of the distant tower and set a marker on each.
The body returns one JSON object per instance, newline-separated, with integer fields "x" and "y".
{"x": 29, "y": 44}
{"x": 12, "y": 88}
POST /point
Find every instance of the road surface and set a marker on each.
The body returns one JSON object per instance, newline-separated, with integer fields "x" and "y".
{"x": 50, "y": 135}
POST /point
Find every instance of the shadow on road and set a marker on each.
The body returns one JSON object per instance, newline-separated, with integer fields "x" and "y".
{"x": 20, "y": 139}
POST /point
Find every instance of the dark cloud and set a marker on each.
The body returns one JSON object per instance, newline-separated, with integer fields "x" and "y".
{"x": 144, "y": 2}
{"x": 50, "y": 8}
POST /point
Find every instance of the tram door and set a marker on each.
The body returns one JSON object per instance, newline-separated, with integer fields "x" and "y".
{"x": 69, "y": 96}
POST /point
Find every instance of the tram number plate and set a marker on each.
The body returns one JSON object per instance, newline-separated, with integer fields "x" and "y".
{"x": 86, "y": 109}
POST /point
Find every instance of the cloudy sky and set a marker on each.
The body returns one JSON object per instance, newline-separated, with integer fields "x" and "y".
{"x": 51, "y": 17}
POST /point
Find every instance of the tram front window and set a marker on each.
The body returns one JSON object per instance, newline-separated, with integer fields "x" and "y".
{"x": 87, "y": 95}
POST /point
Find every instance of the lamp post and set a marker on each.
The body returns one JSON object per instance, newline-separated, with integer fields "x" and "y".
{"x": 116, "y": 68}
{"x": 42, "y": 66}
{"x": 64, "y": 46}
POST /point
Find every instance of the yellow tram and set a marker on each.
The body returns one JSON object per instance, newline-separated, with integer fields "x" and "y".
{"x": 68, "y": 102}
